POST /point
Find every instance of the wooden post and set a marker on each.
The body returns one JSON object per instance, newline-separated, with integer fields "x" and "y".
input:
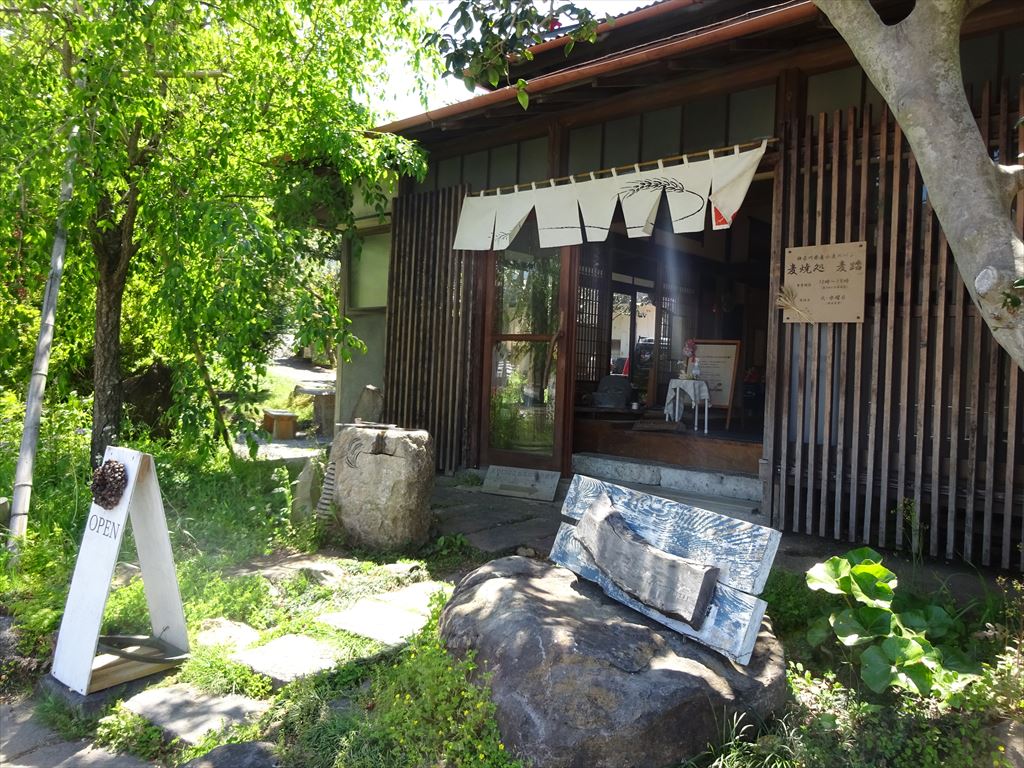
{"x": 41, "y": 364}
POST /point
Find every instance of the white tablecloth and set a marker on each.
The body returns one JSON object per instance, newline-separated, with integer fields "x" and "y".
{"x": 696, "y": 390}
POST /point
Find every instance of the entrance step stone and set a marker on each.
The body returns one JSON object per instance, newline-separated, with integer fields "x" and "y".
{"x": 732, "y": 485}
{"x": 389, "y": 617}
{"x": 185, "y": 713}
{"x": 290, "y": 657}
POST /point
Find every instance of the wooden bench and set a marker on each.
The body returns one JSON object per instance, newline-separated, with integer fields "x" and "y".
{"x": 280, "y": 424}
{"x": 702, "y": 571}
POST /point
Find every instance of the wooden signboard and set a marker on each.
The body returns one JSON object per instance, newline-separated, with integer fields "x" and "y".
{"x": 824, "y": 284}
{"x": 524, "y": 483}
{"x": 75, "y": 663}
{"x": 719, "y": 360}
{"x": 741, "y": 552}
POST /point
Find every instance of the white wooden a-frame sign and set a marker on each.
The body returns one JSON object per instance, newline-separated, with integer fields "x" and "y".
{"x": 94, "y": 570}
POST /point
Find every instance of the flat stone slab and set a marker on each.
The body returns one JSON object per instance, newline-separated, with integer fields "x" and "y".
{"x": 73, "y": 754}
{"x": 185, "y": 713}
{"x": 233, "y": 634}
{"x": 523, "y": 483}
{"x": 389, "y": 617}
{"x": 249, "y": 754}
{"x": 504, "y": 538}
{"x": 290, "y": 657}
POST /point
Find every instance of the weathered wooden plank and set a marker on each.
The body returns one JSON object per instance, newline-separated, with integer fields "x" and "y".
{"x": 772, "y": 356}
{"x": 858, "y": 347}
{"x": 845, "y": 368}
{"x": 813, "y": 363}
{"x": 923, "y": 344}
{"x": 974, "y": 378}
{"x": 743, "y": 552}
{"x": 785, "y": 381}
{"x": 938, "y": 385}
{"x": 906, "y": 310}
{"x": 956, "y": 385}
{"x": 890, "y": 322}
{"x": 676, "y": 586}
{"x": 876, "y": 333}
{"x": 830, "y": 338}
{"x": 730, "y": 627}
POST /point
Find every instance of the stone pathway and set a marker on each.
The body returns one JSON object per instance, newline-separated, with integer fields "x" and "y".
{"x": 185, "y": 713}
{"x": 26, "y": 742}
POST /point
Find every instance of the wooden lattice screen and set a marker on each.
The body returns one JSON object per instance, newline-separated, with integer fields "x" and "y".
{"x": 434, "y": 327}
{"x": 904, "y": 430}
{"x": 593, "y": 319}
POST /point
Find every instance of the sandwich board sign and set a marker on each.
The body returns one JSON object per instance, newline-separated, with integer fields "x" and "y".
{"x": 75, "y": 663}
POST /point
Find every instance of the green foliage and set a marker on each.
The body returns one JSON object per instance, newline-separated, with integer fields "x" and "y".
{"x": 205, "y": 594}
{"x": 482, "y": 38}
{"x": 451, "y": 552}
{"x": 210, "y": 669}
{"x": 69, "y": 723}
{"x": 124, "y": 731}
{"x": 202, "y": 159}
{"x": 426, "y": 711}
{"x": 893, "y": 648}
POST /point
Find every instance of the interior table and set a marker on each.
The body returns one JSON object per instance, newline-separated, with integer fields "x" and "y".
{"x": 696, "y": 390}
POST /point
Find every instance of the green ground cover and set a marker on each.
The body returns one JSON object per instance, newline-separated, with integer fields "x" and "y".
{"x": 417, "y": 706}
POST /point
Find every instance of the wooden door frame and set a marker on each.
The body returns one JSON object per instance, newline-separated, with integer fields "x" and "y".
{"x": 560, "y": 458}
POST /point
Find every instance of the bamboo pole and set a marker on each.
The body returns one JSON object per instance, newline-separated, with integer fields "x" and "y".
{"x": 41, "y": 363}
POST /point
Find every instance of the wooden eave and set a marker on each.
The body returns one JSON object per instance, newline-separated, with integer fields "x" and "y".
{"x": 733, "y": 64}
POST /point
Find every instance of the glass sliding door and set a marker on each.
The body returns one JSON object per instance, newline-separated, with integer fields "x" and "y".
{"x": 523, "y": 371}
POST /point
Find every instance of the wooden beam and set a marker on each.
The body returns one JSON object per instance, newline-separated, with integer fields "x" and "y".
{"x": 676, "y": 586}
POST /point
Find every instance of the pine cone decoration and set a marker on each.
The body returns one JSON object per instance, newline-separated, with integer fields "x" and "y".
{"x": 108, "y": 483}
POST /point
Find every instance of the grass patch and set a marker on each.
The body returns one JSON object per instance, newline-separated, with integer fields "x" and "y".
{"x": 69, "y": 723}
{"x": 211, "y": 669}
{"x": 125, "y": 731}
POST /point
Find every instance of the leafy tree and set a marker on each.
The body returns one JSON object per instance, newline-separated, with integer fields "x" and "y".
{"x": 211, "y": 137}
{"x": 914, "y": 64}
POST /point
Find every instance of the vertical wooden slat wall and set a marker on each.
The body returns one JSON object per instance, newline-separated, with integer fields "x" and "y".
{"x": 901, "y": 431}
{"x": 433, "y": 337}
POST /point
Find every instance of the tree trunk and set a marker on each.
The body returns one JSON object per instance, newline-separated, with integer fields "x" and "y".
{"x": 915, "y": 65}
{"x": 107, "y": 391}
{"x": 114, "y": 249}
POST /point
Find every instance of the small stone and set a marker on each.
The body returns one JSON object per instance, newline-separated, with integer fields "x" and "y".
{"x": 249, "y": 754}
{"x": 220, "y": 631}
{"x": 185, "y": 713}
{"x": 289, "y": 658}
{"x": 526, "y": 552}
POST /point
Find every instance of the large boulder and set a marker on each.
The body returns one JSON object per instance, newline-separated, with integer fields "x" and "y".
{"x": 581, "y": 681}
{"x": 383, "y": 479}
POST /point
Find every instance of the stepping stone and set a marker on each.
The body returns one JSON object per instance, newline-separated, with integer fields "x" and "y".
{"x": 183, "y": 712}
{"x": 389, "y": 617}
{"x": 378, "y": 621}
{"x": 290, "y": 657}
{"x": 233, "y": 634}
{"x": 414, "y": 597}
{"x": 249, "y": 754}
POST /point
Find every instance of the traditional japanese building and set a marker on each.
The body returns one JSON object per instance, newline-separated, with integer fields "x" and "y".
{"x": 719, "y": 181}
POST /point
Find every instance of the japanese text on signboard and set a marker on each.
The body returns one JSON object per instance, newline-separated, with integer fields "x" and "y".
{"x": 824, "y": 283}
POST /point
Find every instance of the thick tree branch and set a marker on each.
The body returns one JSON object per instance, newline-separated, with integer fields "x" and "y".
{"x": 852, "y": 14}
